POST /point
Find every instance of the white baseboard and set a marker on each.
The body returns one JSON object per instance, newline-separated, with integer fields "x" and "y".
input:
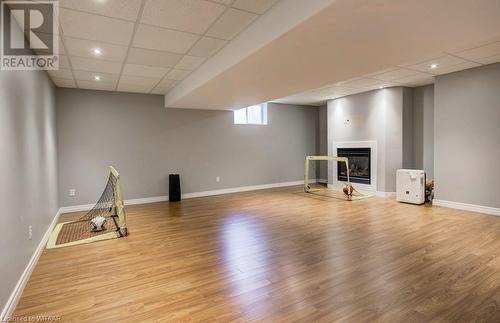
{"x": 467, "y": 207}
{"x": 11, "y": 304}
{"x": 154, "y": 199}
{"x": 243, "y": 189}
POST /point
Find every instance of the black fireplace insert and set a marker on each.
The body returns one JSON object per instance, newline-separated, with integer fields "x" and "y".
{"x": 359, "y": 165}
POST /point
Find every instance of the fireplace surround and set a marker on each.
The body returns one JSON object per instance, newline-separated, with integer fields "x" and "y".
{"x": 359, "y": 165}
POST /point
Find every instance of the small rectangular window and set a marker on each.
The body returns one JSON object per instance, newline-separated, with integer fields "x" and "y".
{"x": 255, "y": 114}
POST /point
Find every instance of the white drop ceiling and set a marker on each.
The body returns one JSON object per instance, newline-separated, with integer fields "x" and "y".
{"x": 224, "y": 54}
{"x": 147, "y": 46}
{"x": 411, "y": 75}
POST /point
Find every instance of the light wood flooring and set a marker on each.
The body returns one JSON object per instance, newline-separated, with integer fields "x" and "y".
{"x": 278, "y": 255}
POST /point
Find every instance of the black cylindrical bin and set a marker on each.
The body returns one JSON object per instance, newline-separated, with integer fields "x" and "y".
{"x": 174, "y": 188}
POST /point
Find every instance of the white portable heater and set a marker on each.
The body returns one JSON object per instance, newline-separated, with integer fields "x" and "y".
{"x": 410, "y": 186}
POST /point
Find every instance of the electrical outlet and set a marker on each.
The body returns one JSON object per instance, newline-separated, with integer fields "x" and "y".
{"x": 30, "y": 232}
{"x": 217, "y": 179}
{"x": 72, "y": 192}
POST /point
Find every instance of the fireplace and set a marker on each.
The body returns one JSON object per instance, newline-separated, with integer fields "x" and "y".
{"x": 359, "y": 165}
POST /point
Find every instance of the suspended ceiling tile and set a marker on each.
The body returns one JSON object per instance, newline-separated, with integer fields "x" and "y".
{"x": 167, "y": 83}
{"x": 92, "y": 27}
{"x": 190, "y": 62}
{"x": 478, "y": 53}
{"x": 395, "y": 74}
{"x": 95, "y": 65}
{"x": 489, "y": 60}
{"x": 150, "y": 37}
{"x": 150, "y": 57}
{"x": 178, "y": 75}
{"x": 417, "y": 80}
{"x": 230, "y": 24}
{"x": 255, "y": 6}
{"x": 64, "y": 62}
{"x": 140, "y": 80}
{"x": 90, "y": 76}
{"x": 456, "y": 68}
{"x": 194, "y": 16}
{"x": 359, "y": 82}
{"x": 135, "y": 88}
{"x": 145, "y": 71}
{"x": 92, "y": 85}
{"x": 84, "y": 48}
{"x": 438, "y": 64}
{"x": 124, "y": 9}
{"x": 62, "y": 73}
{"x": 64, "y": 82}
{"x": 207, "y": 47}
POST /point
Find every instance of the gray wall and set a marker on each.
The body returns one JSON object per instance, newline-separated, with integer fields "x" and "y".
{"x": 408, "y": 156}
{"x": 322, "y": 143}
{"x": 28, "y": 170}
{"x": 374, "y": 116}
{"x": 467, "y": 133}
{"x": 146, "y": 142}
{"x": 423, "y": 129}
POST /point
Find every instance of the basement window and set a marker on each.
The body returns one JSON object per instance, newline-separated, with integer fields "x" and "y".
{"x": 254, "y": 114}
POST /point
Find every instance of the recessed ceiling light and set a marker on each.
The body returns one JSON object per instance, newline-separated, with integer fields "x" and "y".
{"x": 97, "y": 51}
{"x": 434, "y": 66}
{"x": 97, "y": 78}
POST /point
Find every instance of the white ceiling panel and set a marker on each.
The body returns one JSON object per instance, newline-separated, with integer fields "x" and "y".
{"x": 190, "y": 62}
{"x": 150, "y": 57}
{"x": 144, "y": 40}
{"x": 177, "y": 75}
{"x": 395, "y": 74}
{"x": 64, "y": 62}
{"x": 255, "y": 6}
{"x": 150, "y": 37}
{"x": 442, "y": 63}
{"x": 139, "y": 80}
{"x": 124, "y": 9}
{"x": 84, "y": 48}
{"x": 63, "y": 82}
{"x": 456, "y": 68}
{"x": 87, "y": 26}
{"x": 95, "y": 65}
{"x": 160, "y": 90}
{"x": 207, "y": 47}
{"x": 489, "y": 60}
{"x": 194, "y": 16}
{"x": 417, "y": 79}
{"x": 231, "y": 23}
{"x": 163, "y": 87}
{"x": 224, "y": 2}
{"x": 61, "y": 73}
{"x": 360, "y": 83}
{"x": 90, "y": 76}
{"x": 62, "y": 49}
{"x": 475, "y": 54}
{"x": 166, "y": 83}
{"x": 135, "y": 88}
{"x": 145, "y": 71}
{"x": 92, "y": 85}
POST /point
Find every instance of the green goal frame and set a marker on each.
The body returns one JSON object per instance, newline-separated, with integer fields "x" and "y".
{"x": 345, "y": 160}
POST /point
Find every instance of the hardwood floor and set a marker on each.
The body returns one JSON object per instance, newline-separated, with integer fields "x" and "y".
{"x": 278, "y": 255}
